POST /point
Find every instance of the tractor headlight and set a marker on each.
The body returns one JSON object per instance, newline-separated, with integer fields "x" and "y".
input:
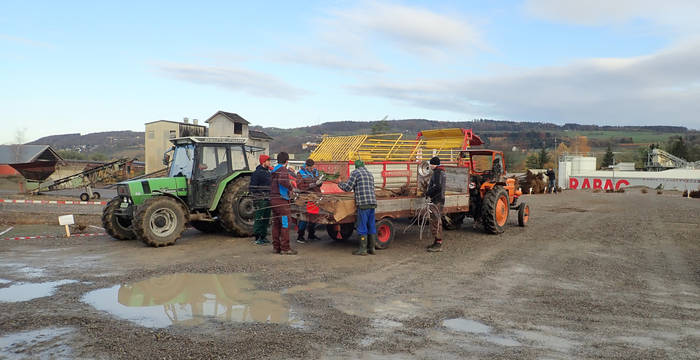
{"x": 123, "y": 190}
{"x": 472, "y": 186}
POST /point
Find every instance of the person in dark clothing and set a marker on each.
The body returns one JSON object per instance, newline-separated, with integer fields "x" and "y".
{"x": 280, "y": 193}
{"x": 308, "y": 179}
{"x": 260, "y": 188}
{"x": 552, "y": 184}
{"x": 436, "y": 193}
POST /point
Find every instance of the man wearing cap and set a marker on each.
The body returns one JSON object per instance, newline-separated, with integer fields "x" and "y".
{"x": 281, "y": 189}
{"x": 361, "y": 182}
{"x": 436, "y": 193}
{"x": 308, "y": 179}
{"x": 260, "y": 188}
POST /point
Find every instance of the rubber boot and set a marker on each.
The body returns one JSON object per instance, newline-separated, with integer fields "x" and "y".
{"x": 372, "y": 242}
{"x": 362, "y": 250}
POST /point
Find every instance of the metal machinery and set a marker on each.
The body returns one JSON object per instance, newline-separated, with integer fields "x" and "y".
{"x": 88, "y": 178}
{"x": 476, "y": 183}
{"x": 207, "y": 187}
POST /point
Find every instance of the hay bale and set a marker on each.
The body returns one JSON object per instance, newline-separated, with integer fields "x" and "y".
{"x": 530, "y": 180}
{"x": 645, "y": 190}
{"x": 693, "y": 194}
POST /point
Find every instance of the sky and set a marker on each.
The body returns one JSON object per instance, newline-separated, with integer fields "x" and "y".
{"x": 88, "y": 66}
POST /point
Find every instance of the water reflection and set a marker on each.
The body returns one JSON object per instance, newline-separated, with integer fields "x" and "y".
{"x": 188, "y": 299}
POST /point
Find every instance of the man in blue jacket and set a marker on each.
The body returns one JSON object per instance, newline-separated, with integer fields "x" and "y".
{"x": 308, "y": 179}
{"x": 260, "y": 188}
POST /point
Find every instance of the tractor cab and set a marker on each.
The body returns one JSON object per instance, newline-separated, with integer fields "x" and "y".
{"x": 205, "y": 162}
{"x": 487, "y": 164}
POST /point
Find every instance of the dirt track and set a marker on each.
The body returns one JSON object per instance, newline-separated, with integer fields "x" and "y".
{"x": 593, "y": 275}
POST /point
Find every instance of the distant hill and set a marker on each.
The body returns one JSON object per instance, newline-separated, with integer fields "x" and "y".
{"x": 498, "y": 134}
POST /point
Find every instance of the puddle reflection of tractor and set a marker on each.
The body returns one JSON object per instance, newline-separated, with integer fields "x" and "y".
{"x": 189, "y": 298}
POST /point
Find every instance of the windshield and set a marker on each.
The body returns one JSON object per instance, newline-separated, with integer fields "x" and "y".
{"x": 181, "y": 165}
{"x": 482, "y": 163}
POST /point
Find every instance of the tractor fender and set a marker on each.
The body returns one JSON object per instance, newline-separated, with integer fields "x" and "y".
{"x": 221, "y": 186}
{"x": 179, "y": 200}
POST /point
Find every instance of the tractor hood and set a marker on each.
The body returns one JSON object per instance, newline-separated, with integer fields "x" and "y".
{"x": 140, "y": 190}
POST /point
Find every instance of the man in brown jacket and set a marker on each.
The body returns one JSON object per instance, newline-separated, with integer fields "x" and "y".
{"x": 281, "y": 190}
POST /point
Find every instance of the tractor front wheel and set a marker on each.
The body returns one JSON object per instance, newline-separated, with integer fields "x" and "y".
{"x": 159, "y": 221}
{"x": 236, "y": 210}
{"x": 523, "y": 214}
{"x": 117, "y": 227}
{"x": 495, "y": 210}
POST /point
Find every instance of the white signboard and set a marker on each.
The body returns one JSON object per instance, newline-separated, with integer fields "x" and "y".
{"x": 66, "y": 220}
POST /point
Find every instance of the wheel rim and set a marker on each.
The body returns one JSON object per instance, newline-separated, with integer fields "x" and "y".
{"x": 246, "y": 209}
{"x": 501, "y": 211}
{"x": 163, "y": 222}
{"x": 526, "y": 214}
{"x": 383, "y": 233}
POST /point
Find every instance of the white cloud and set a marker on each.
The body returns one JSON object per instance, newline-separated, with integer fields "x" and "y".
{"x": 248, "y": 81}
{"x": 676, "y": 14}
{"x": 415, "y": 29}
{"x": 354, "y": 38}
{"x": 661, "y": 88}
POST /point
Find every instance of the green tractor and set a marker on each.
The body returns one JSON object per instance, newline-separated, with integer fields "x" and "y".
{"x": 207, "y": 187}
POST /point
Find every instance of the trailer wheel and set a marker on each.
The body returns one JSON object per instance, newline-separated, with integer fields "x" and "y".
{"x": 523, "y": 214}
{"x": 116, "y": 226}
{"x": 236, "y": 210}
{"x": 84, "y": 197}
{"x": 495, "y": 210}
{"x": 385, "y": 233}
{"x": 453, "y": 221}
{"x": 344, "y": 234}
{"x": 207, "y": 226}
{"x": 159, "y": 221}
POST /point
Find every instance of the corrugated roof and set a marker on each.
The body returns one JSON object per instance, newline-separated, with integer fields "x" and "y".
{"x": 21, "y": 154}
{"x": 258, "y": 135}
{"x": 231, "y": 116}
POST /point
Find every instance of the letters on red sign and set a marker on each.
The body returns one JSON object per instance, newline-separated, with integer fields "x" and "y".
{"x": 621, "y": 182}
{"x": 573, "y": 183}
{"x": 586, "y": 184}
{"x": 597, "y": 184}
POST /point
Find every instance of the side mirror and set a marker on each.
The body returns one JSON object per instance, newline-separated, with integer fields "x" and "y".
{"x": 166, "y": 159}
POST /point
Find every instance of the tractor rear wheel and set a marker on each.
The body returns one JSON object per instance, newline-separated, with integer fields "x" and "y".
{"x": 236, "y": 210}
{"x": 159, "y": 221}
{"x": 453, "y": 221}
{"x": 207, "y": 226}
{"x": 343, "y": 233}
{"x": 116, "y": 226}
{"x": 523, "y": 214}
{"x": 495, "y": 210}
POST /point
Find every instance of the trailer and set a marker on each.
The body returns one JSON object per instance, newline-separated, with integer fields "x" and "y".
{"x": 476, "y": 182}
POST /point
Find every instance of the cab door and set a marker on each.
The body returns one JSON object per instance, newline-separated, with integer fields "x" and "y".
{"x": 213, "y": 164}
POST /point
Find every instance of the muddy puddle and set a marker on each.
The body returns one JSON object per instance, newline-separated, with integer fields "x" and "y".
{"x": 29, "y": 291}
{"x": 191, "y": 299}
{"x": 480, "y": 329}
{"x": 47, "y": 343}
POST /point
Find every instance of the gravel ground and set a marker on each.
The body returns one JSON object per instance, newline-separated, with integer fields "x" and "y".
{"x": 594, "y": 275}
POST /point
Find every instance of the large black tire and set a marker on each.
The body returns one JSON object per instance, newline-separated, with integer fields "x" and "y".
{"x": 160, "y": 221}
{"x": 453, "y": 221}
{"x": 207, "y": 226}
{"x": 523, "y": 214}
{"x": 116, "y": 226}
{"x": 236, "y": 210}
{"x": 346, "y": 231}
{"x": 495, "y": 210}
{"x": 385, "y": 233}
